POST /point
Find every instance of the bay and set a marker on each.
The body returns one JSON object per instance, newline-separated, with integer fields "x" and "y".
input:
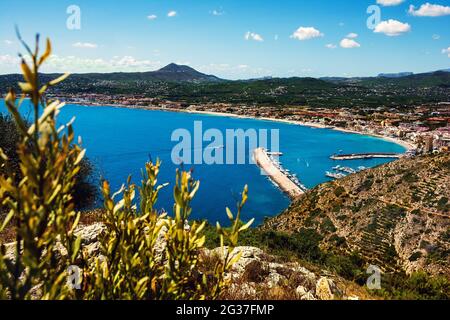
{"x": 119, "y": 141}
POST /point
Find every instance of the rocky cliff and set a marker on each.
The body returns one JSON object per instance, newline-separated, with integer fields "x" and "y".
{"x": 396, "y": 216}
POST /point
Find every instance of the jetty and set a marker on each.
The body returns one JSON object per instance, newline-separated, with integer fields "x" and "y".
{"x": 354, "y": 156}
{"x": 277, "y": 174}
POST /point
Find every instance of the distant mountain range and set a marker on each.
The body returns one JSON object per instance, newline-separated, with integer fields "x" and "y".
{"x": 182, "y": 73}
{"x": 185, "y": 84}
{"x": 395, "y": 75}
{"x": 170, "y": 73}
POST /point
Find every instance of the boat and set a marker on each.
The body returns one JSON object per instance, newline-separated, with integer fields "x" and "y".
{"x": 347, "y": 170}
{"x": 278, "y": 154}
{"x": 334, "y": 175}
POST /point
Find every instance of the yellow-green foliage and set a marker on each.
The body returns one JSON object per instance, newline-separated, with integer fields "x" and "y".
{"x": 41, "y": 203}
{"x": 144, "y": 254}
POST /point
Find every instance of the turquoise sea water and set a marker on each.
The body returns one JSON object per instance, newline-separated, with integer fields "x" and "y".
{"x": 119, "y": 141}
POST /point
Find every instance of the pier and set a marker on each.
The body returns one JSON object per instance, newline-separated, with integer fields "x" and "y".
{"x": 354, "y": 156}
{"x": 279, "y": 176}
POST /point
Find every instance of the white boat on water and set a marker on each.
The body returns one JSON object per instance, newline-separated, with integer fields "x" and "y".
{"x": 334, "y": 175}
{"x": 278, "y": 154}
{"x": 347, "y": 170}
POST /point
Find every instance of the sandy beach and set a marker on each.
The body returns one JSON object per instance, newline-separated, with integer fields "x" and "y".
{"x": 263, "y": 160}
{"x": 407, "y": 145}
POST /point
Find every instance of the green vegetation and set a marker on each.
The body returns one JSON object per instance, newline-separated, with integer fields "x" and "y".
{"x": 85, "y": 191}
{"x": 416, "y": 286}
{"x": 410, "y": 177}
{"x": 304, "y": 246}
{"x": 339, "y": 191}
{"x": 42, "y": 211}
{"x": 189, "y": 86}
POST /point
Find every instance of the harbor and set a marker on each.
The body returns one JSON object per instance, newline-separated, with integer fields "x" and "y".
{"x": 286, "y": 181}
{"x": 354, "y": 156}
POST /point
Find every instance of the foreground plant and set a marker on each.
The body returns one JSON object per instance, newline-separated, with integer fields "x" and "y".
{"x": 144, "y": 254}
{"x": 147, "y": 255}
{"x": 41, "y": 204}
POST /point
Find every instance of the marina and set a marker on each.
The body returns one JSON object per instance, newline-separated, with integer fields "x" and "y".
{"x": 286, "y": 181}
{"x": 355, "y": 156}
{"x": 341, "y": 171}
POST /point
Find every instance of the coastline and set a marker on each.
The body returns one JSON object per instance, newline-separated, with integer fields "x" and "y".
{"x": 407, "y": 145}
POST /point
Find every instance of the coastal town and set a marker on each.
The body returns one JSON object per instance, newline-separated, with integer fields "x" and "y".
{"x": 421, "y": 129}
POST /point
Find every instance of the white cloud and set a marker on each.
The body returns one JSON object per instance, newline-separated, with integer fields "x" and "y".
{"x": 436, "y": 37}
{"x": 152, "y": 17}
{"x": 217, "y": 13}
{"x": 9, "y": 64}
{"x": 352, "y": 35}
{"x": 8, "y": 42}
{"x": 429, "y": 10}
{"x": 349, "y": 43}
{"x": 331, "y": 46}
{"x": 392, "y": 28}
{"x": 86, "y": 45}
{"x": 446, "y": 51}
{"x": 9, "y": 59}
{"x": 81, "y": 65}
{"x": 73, "y": 64}
{"x": 253, "y": 36}
{"x": 389, "y": 3}
{"x": 306, "y": 33}
{"x": 172, "y": 14}
{"x": 228, "y": 71}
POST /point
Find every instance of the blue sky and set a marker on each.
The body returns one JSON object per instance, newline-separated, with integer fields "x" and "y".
{"x": 234, "y": 39}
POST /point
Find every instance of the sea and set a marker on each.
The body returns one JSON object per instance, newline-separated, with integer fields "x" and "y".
{"x": 119, "y": 141}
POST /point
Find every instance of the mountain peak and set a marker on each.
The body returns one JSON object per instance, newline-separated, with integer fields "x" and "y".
{"x": 176, "y": 72}
{"x": 173, "y": 67}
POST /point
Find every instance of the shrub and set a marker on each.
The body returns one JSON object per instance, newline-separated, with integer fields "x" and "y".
{"x": 144, "y": 254}
{"x": 415, "y": 256}
{"x": 41, "y": 203}
{"x": 339, "y": 191}
{"x": 418, "y": 285}
{"x": 410, "y": 177}
{"x": 85, "y": 192}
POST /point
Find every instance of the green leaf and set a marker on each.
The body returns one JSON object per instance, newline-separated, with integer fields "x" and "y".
{"x": 76, "y": 248}
{"x": 59, "y": 79}
{"x": 229, "y": 214}
{"x": 7, "y": 219}
{"x": 247, "y": 225}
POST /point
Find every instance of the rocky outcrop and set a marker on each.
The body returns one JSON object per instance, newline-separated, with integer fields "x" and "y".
{"x": 258, "y": 275}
